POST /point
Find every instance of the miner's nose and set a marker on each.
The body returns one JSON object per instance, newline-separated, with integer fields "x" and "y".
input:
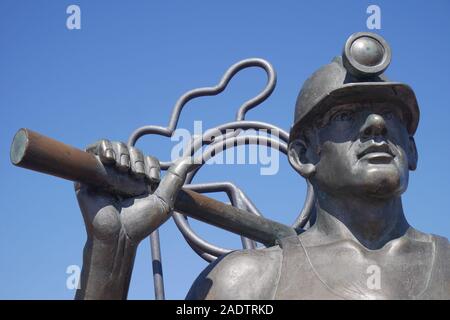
{"x": 373, "y": 126}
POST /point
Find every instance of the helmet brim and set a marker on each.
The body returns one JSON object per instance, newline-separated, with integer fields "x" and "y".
{"x": 399, "y": 94}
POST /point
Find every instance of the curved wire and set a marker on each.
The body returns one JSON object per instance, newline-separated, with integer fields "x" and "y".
{"x": 212, "y": 91}
{"x": 206, "y": 250}
{"x": 168, "y": 131}
{"x": 182, "y": 221}
{"x": 234, "y": 195}
{"x": 237, "y": 199}
{"x": 211, "y": 151}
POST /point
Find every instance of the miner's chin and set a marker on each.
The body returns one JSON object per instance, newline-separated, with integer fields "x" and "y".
{"x": 381, "y": 181}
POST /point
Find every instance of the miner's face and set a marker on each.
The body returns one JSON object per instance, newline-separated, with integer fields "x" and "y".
{"x": 362, "y": 149}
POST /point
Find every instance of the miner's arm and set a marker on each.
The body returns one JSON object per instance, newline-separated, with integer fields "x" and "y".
{"x": 115, "y": 226}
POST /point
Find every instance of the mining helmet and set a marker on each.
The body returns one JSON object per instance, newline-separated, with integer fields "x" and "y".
{"x": 356, "y": 76}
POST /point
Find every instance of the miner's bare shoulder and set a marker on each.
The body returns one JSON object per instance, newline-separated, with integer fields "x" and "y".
{"x": 245, "y": 274}
{"x": 440, "y": 279}
{"x": 443, "y": 258}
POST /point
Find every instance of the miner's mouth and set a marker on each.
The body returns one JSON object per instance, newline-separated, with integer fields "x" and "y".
{"x": 377, "y": 153}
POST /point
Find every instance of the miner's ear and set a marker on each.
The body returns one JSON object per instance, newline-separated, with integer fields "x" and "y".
{"x": 298, "y": 159}
{"x": 412, "y": 154}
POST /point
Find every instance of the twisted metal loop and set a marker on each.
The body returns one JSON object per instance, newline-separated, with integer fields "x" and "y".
{"x": 212, "y": 91}
{"x": 221, "y": 144}
{"x": 204, "y": 249}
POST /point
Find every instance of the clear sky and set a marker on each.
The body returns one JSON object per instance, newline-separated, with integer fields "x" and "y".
{"x": 127, "y": 66}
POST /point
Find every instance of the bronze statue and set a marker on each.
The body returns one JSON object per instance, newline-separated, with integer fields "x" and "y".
{"x": 353, "y": 140}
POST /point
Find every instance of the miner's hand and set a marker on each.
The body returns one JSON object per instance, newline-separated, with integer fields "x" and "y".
{"x": 104, "y": 213}
{"x": 115, "y": 225}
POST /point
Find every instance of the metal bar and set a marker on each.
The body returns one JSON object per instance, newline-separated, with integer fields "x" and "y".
{"x": 37, "y": 152}
{"x": 34, "y": 151}
{"x": 230, "y": 218}
{"x": 157, "y": 266}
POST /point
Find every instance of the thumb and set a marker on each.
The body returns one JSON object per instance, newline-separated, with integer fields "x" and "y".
{"x": 174, "y": 179}
{"x": 148, "y": 213}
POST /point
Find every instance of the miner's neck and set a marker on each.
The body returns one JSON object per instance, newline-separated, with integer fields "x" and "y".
{"x": 372, "y": 222}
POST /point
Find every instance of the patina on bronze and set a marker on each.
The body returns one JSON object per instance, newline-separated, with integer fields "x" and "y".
{"x": 352, "y": 139}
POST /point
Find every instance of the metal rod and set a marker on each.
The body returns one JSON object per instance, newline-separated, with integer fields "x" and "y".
{"x": 157, "y": 266}
{"x": 34, "y": 151}
{"x": 230, "y": 218}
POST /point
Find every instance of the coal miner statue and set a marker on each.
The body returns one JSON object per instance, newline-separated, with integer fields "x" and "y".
{"x": 353, "y": 140}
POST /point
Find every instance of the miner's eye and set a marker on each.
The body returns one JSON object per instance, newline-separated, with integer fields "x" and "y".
{"x": 345, "y": 115}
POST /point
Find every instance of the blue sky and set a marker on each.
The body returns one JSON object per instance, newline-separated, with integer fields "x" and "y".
{"x": 127, "y": 66}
